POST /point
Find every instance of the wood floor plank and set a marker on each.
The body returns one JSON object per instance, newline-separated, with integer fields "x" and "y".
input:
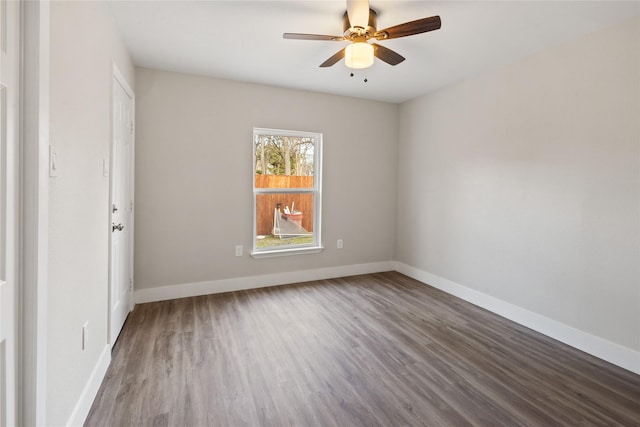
{"x": 371, "y": 350}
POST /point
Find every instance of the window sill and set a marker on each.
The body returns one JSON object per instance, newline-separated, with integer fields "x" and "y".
{"x": 286, "y": 252}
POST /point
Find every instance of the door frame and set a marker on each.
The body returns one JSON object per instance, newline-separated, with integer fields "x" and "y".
{"x": 34, "y": 216}
{"x": 118, "y": 78}
{"x": 10, "y": 211}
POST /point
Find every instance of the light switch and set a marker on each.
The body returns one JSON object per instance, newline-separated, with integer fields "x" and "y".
{"x": 53, "y": 161}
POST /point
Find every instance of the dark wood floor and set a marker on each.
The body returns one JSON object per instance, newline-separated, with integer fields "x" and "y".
{"x": 373, "y": 350}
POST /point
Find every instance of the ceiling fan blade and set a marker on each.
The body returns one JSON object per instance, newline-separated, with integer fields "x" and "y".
{"x": 298, "y": 36}
{"x": 335, "y": 58}
{"x": 409, "y": 28}
{"x": 387, "y": 55}
{"x": 358, "y": 12}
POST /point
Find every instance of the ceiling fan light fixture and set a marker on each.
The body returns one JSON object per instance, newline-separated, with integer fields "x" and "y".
{"x": 358, "y": 29}
{"x": 359, "y": 55}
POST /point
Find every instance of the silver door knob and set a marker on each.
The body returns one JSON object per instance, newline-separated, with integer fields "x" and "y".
{"x": 118, "y": 227}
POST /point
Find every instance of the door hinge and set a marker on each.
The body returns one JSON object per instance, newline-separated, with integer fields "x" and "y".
{"x": 131, "y": 128}
{"x": 130, "y": 284}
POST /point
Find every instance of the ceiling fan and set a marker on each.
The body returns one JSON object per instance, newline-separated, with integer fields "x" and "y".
{"x": 359, "y": 25}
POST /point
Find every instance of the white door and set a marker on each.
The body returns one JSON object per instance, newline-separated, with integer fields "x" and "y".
{"x": 121, "y": 283}
{"x": 9, "y": 185}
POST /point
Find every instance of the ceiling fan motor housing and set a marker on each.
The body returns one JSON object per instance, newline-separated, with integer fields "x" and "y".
{"x": 359, "y": 32}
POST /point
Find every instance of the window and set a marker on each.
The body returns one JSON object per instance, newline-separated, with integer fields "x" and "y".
{"x": 286, "y": 192}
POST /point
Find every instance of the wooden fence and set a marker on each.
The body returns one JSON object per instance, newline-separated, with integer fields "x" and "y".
{"x": 266, "y": 203}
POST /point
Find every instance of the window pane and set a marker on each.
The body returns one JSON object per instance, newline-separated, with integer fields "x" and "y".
{"x": 287, "y": 176}
{"x": 284, "y": 161}
{"x": 284, "y": 219}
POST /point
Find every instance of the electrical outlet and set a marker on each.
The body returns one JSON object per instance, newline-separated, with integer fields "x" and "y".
{"x": 85, "y": 335}
{"x": 339, "y": 244}
{"x": 238, "y": 250}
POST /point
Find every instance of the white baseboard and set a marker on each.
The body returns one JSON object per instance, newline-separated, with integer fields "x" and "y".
{"x": 90, "y": 391}
{"x": 141, "y": 296}
{"x": 596, "y": 346}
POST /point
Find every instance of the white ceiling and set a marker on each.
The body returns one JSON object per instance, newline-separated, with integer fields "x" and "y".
{"x": 242, "y": 40}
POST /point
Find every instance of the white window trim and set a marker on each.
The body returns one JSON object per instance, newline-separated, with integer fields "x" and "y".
{"x": 316, "y": 191}
{"x": 287, "y": 252}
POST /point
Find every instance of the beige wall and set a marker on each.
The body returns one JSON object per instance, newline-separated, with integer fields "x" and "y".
{"x": 84, "y": 45}
{"x": 194, "y": 176}
{"x": 524, "y": 184}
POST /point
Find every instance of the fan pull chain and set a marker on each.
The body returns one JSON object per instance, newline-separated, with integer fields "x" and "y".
{"x": 351, "y": 75}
